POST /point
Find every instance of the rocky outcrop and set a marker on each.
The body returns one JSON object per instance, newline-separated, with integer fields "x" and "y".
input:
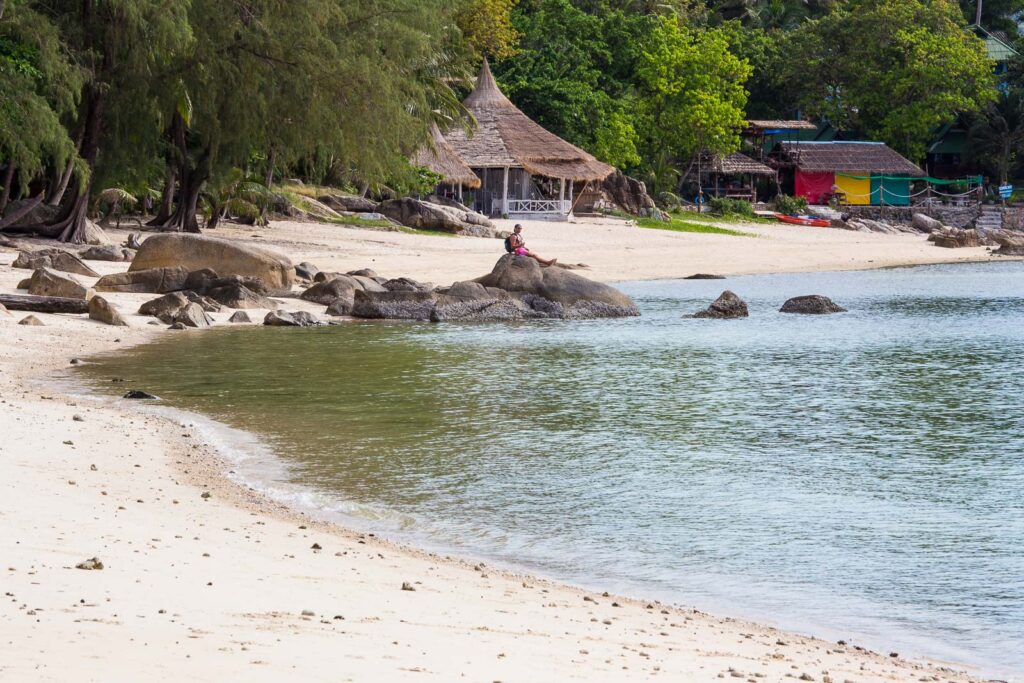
{"x": 239, "y": 317}
{"x": 404, "y": 284}
{"x": 108, "y": 252}
{"x": 148, "y": 281}
{"x": 195, "y": 252}
{"x": 54, "y": 259}
{"x": 727, "y": 305}
{"x": 956, "y": 238}
{"x": 415, "y": 213}
{"x": 290, "y": 319}
{"x": 1011, "y": 243}
{"x": 393, "y": 305}
{"x": 924, "y": 223}
{"x": 102, "y": 310}
{"x": 306, "y": 271}
{"x": 629, "y": 194}
{"x": 190, "y": 315}
{"x": 524, "y": 275}
{"x": 45, "y": 282}
{"x": 350, "y": 203}
{"x": 178, "y": 307}
{"x": 813, "y": 304}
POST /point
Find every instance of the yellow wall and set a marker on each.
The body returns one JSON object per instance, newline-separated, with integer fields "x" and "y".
{"x": 857, "y": 191}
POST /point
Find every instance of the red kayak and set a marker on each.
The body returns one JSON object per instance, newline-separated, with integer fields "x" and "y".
{"x": 804, "y": 220}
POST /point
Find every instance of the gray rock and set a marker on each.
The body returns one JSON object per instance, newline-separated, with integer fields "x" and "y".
{"x": 191, "y": 315}
{"x": 31, "y": 320}
{"x": 342, "y": 202}
{"x": 237, "y": 295}
{"x": 363, "y": 272}
{"x": 924, "y": 223}
{"x": 139, "y": 395}
{"x": 368, "y": 283}
{"x": 326, "y": 293}
{"x": 704, "y": 276}
{"x": 404, "y": 284}
{"x": 290, "y": 319}
{"x": 149, "y": 281}
{"x": 727, "y": 305}
{"x": 167, "y": 305}
{"x": 472, "y": 291}
{"x": 415, "y": 213}
{"x": 178, "y": 326}
{"x": 102, "y": 310}
{"x": 813, "y": 304}
{"x": 45, "y": 282}
{"x": 108, "y": 252}
{"x": 340, "y": 307}
{"x": 239, "y": 317}
{"x": 208, "y": 304}
{"x": 54, "y": 259}
{"x": 306, "y": 270}
{"x": 393, "y": 305}
{"x": 481, "y": 310}
{"x": 523, "y": 274}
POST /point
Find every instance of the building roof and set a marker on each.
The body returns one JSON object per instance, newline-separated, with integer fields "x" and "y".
{"x": 737, "y": 164}
{"x": 847, "y": 157}
{"x": 778, "y": 124}
{"x": 441, "y": 158}
{"x": 505, "y": 136}
{"x": 995, "y": 45}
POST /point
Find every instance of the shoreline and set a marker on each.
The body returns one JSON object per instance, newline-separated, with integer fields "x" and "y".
{"x": 168, "y": 563}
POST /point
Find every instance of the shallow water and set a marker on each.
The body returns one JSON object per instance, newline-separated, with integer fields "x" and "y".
{"x": 858, "y": 475}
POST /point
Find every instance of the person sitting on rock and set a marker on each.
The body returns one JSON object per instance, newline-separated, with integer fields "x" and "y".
{"x": 515, "y": 244}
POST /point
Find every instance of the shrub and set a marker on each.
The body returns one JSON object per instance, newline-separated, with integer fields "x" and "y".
{"x": 724, "y": 206}
{"x": 790, "y": 206}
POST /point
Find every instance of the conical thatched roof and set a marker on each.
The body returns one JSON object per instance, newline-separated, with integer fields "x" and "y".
{"x": 442, "y": 159}
{"x": 505, "y": 136}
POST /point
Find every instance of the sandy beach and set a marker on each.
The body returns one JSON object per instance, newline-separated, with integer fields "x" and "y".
{"x": 204, "y": 580}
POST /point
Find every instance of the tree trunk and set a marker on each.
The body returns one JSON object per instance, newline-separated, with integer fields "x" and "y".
{"x": 270, "y": 169}
{"x": 163, "y": 214}
{"x": 43, "y": 304}
{"x": 17, "y": 215}
{"x": 8, "y": 179}
{"x": 61, "y": 186}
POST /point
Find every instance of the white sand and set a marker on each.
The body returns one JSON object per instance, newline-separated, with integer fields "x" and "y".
{"x": 213, "y": 589}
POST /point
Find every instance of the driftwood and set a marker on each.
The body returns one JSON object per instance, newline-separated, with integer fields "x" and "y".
{"x": 20, "y": 213}
{"x": 43, "y": 304}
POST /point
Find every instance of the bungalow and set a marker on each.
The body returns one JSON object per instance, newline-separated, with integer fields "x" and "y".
{"x": 439, "y": 157}
{"x": 859, "y": 172}
{"x": 525, "y": 171}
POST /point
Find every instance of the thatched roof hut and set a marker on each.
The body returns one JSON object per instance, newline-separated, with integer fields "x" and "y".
{"x": 737, "y": 164}
{"x": 516, "y": 158}
{"x": 441, "y": 158}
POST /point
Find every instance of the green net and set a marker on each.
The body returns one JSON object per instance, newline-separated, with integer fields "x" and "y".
{"x": 974, "y": 179}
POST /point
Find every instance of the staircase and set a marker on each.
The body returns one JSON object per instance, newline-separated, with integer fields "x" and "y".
{"x": 991, "y": 217}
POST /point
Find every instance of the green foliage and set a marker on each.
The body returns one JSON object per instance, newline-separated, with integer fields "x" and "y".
{"x": 895, "y": 70}
{"x": 677, "y": 225}
{"x": 791, "y": 206}
{"x": 724, "y": 206}
{"x": 691, "y": 95}
{"x": 996, "y": 136}
{"x": 487, "y": 28}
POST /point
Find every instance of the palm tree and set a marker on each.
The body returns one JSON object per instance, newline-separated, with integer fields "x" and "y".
{"x": 996, "y": 137}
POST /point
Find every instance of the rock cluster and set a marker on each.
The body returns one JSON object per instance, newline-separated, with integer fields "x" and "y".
{"x": 457, "y": 219}
{"x": 727, "y": 305}
{"x": 54, "y": 259}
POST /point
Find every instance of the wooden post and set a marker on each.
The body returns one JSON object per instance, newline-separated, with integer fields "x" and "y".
{"x": 561, "y": 194}
{"x": 572, "y": 184}
{"x": 504, "y": 192}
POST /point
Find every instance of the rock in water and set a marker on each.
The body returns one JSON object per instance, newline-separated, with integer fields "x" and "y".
{"x": 193, "y": 252}
{"x": 239, "y": 317}
{"x": 31, "y": 320}
{"x": 290, "y": 319}
{"x": 45, "y": 282}
{"x": 140, "y": 395}
{"x": 54, "y": 259}
{"x": 393, "y": 305}
{"x": 704, "y": 276}
{"x": 727, "y": 305}
{"x": 102, "y": 310}
{"x": 813, "y": 304}
{"x": 148, "y": 281}
{"x": 340, "y": 307}
{"x": 523, "y": 274}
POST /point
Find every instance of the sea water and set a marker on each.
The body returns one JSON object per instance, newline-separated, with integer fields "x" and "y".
{"x": 856, "y": 476}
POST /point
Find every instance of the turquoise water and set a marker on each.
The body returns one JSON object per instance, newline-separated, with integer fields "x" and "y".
{"x": 856, "y": 476}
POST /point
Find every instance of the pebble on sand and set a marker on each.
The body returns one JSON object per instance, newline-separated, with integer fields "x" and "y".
{"x": 90, "y": 564}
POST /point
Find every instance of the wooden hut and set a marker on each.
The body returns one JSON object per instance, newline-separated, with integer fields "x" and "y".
{"x": 732, "y": 176}
{"x": 858, "y": 172}
{"x": 441, "y": 158}
{"x": 525, "y": 171}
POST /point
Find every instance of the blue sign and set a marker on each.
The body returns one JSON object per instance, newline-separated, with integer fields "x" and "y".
{"x": 1005, "y": 191}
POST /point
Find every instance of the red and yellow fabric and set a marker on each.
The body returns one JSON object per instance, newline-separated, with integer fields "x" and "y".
{"x": 855, "y": 186}
{"x": 815, "y": 187}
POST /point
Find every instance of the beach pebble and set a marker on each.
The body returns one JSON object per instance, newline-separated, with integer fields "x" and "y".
{"x": 406, "y": 586}
{"x": 205, "y": 494}
{"x": 136, "y": 394}
{"x": 308, "y": 613}
{"x": 90, "y": 564}
{"x": 77, "y": 418}
{"x": 31, "y": 320}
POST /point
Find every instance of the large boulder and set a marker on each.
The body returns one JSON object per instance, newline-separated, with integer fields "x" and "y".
{"x": 165, "y": 306}
{"x": 925, "y": 223}
{"x": 328, "y": 292}
{"x": 957, "y": 238}
{"x": 1011, "y": 243}
{"x": 290, "y": 319}
{"x": 54, "y": 259}
{"x": 523, "y": 274}
{"x": 238, "y": 295}
{"x": 812, "y": 304}
{"x": 148, "y": 281}
{"x": 46, "y": 282}
{"x": 190, "y": 315}
{"x": 368, "y": 283}
{"x": 629, "y": 194}
{"x": 306, "y": 271}
{"x": 102, "y": 310}
{"x": 404, "y": 284}
{"x": 194, "y": 252}
{"x": 482, "y": 310}
{"x": 415, "y": 213}
{"x": 727, "y": 305}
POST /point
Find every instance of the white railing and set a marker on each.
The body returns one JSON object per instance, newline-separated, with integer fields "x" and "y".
{"x": 527, "y": 206}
